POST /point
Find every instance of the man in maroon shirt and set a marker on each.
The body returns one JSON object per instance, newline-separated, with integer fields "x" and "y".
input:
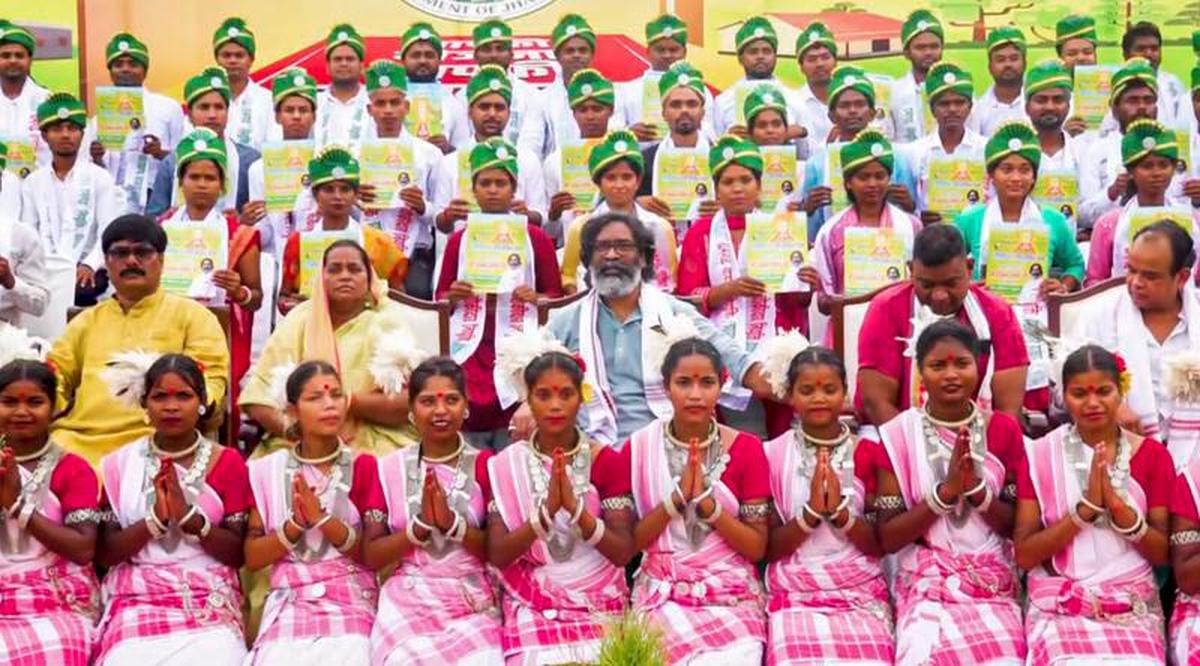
{"x": 941, "y": 282}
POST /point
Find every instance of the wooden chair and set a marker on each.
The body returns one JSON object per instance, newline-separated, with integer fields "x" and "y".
{"x": 1066, "y": 311}
{"x": 549, "y": 305}
{"x": 429, "y": 321}
{"x": 846, "y": 316}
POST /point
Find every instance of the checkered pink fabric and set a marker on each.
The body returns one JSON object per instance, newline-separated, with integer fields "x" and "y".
{"x": 957, "y": 608}
{"x": 428, "y": 621}
{"x": 1111, "y": 621}
{"x": 852, "y": 621}
{"x": 46, "y": 616}
{"x": 332, "y": 597}
{"x": 1185, "y": 630}
{"x": 146, "y": 601}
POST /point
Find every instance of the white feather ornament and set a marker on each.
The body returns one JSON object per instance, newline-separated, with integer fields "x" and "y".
{"x": 922, "y": 318}
{"x": 671, "y": 328}
{"x": 1060, "y": 348}
{"x": 395, "y": 357}
{"x": 16, "y": 344}
{"x": 516, "y": 350}
{"x": 125, "y": 374}
{"x": 776, "y": 357}
{"x": 1183, "y": 377}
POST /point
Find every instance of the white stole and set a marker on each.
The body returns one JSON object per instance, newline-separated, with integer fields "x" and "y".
{"x": 748, "y": 320}
{"x": 601, "y": 410}
{"x": 75, "y": 243}
{"x": 354, "y": 134}
{"x": 1132, "y": 339}
{"x": 983, "y": 332}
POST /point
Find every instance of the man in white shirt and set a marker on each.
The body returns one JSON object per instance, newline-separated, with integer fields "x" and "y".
{"x": 21, "y": 96}
{"x": 135, "y": 166}
{"x": 757, "y": 51}
{"x": 1075, "y": 42}
{"x": 69, "y": 203}
{"x": 408, "y": 217}
{"x": 592, "y": 99}
{"x": 493, "y": 41}
{"x": 922, "y": 37}
{"x": 23, "y": 288}
{"x": 1143, "y": 40}
{"x": 421, "y": 55}
{"x": 574, "y": 44}
{"x": 816, "y": 51}
{"x": 1048, "y": 86}
{"x": 10, "y": 186}
{"x": 250, "y": 106}
{"x": 1002, "y": 101}
{"x": 342, "y": 117}
{"x": 638, "y": 101}
{"x": 1157, "y": 318}
{"x": 950, "y": 92}
{"x": 1102, "y": 178}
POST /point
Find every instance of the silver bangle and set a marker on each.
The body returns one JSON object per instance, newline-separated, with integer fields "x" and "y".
{"x": 1009, "y": 492}
{"x": 1185, "y": 538}
{"x": 79, "y": 516}
{"x": 754, "y": 511}
{"x": 618, "y": 503}
{"x": 320, "y": 523}
{"x": 597, "y": 533}
{"x": 936, "y": 504}
{"x": 889, "y": 503}
{"x": 375, "y": 516}
{"x": 351, "y": 540}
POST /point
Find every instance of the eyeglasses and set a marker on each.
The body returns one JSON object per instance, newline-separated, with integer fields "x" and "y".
{"x": 140, "y": 252}
{"x": 621, "y": 247}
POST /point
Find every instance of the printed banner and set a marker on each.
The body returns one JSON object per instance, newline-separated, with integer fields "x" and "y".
{"x": 874, "y": 257}
{"x": 495, "y": 251}
{"x": 312, "y": 249}
{"x": 1144, "y": 217}
{"x": 682, "y": 177}
{"x": 774, "y": 248}
{"x": 465, "y": 190}
{"x": 285, "y": 170}
{"x": 576, "y": 177}
{"x": 194, "y": 251}
{"x": 1016, "y": 261}
{"x": 424, "y": 117}
{"x": 1091, "y": 90}
{"x": 652, "y": 103}
{"x": 833, "y": 176}
{"x": 781, "y": 175}
{"x": 1058, "y": 189}
{"x": 22, "y": 156}
{"x": 1186, "y": 163}
{"x": 119, "y": 113}
{"x": 953, "y": 184}
{"x": 387, "y": 165}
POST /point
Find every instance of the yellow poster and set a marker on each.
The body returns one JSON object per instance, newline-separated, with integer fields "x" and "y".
{"x": 781, "y": 175}
{"x": 466, "y": 191}
{"x": 312, "y": 248}
{"x": 495, "y": 252}
{"x": 953, "y": 183}
{"x": 874, "y": 257}
{"x": 1144, "y": 217}
{"x": 681, "y": 177}
{"x": 1058, "y": 189}
{"x": 652, "y": 103}
{"x": 576, "y": 177}
{"x": 833, "y": 176}
{"x": 1186, "y": 163}
{"x": 119, "y": 113}
{"x": 775, "y": 249}
{"x": 883, "y": 97}
{"x": 194, "y": 251}
{"x": 22, "y": 156}
{"x": 1089, "y": 100}
{"x": 387, "y": 165}
{"x": 1016, "y": 260}
{"x": 424, "y": 117}
{"x": 285, "y": 169}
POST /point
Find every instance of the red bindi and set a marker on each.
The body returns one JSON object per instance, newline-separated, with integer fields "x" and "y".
{"x": 441, "y": 394}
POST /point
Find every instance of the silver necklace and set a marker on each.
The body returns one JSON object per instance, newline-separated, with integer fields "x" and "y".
{"x": 716, "y": 459}
{"x": 458, "y": 498}
{"x": 334, "y": 498}
{"x": 561, "y": 542}
{"x": 939, "y": 455}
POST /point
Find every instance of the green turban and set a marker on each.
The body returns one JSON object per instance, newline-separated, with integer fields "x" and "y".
{"x": 212, "y": 79}
{"x": 345, "y": 34}
{"x": 617, "y": 145}
{"x": 1006, "y": 35}
{"x": 1075, "y": 26}
{"x": 11, "y": 33}
{"x": 294, "y": 81}
{"x": 849, "y": 77}
{"x": 420, "y": 32}
{"x": 201, "y": 144}
{"x": 494, "y": 153}
{"x": 1134, "y": 69}
{"x": 1046, "y": 75}
{"x": 334, "y": 163}
{"x": 3, "y": 155}
{"x": 816, "y": 34}
{"x": 59, "y": 107}
{"x": 919, "y": 21}
{"x": 755, "y": 28}
{"x": 1195, "y": 78}
{"x": 489, "y": 79}
{"x": 1145, "y": 137}
{"x": 386, "y": 74}
{"x": 947, "y": 77}
{"x": 1015, "y": 137}
{"x": 731, "y": 149}
{"x": 125, "y": 44}
{"x": 870, "y": 145}
{"x": 234, "y": 30}
{"x": 681, "y": 75}
{"x": 667, "y": 26}
{"x": 572, "y": 25}
{"x": 493, "y": 30}
{"x": 589, "y": 84}
{"x": 1196, "y": 42}
{"x": 763, "y": 97}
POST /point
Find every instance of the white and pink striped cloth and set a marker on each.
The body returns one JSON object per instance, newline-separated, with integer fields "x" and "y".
{"x": 434, "y": 611}
{"x": 827, "y": 601}
{"x": 47, "y": 615}
{"x": 704, "y": 600}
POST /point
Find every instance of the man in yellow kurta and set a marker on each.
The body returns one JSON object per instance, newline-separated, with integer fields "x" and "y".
{"x": 140, "y": 316}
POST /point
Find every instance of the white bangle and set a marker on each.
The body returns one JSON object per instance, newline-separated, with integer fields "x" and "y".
{"x": 597, "y": 533}
{"x": 978, "y": 487}
{"x": 458, "y": 529}
{"x": 578, "y": 511}
{"x": 204, "y": 524}
{"x": 808, "y": 529}
{"x": 986, "y": 504}
{"x": 157, "y": 529}
{"x": 1100, "y": 511}
{"x": 281, "y": 534}
{"x": 669, "y": 504}
{"x": 411, "y": 533}
{"x": 845, "y": 529}
{"x": 702, "y": 496}
{"x": 539, "y": 528}
{"x": 1135, "y": 531}
{"x": 326, "y": 518}
{"x": 936, "y": 504}
{"x": 712, "y": 517}
{"x": 351, "y": 540}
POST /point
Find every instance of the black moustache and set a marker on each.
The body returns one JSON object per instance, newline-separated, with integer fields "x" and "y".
{"x": 133, "y": 271}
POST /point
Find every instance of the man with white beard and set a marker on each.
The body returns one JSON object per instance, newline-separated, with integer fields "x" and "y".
{"x": 612, "y": 326}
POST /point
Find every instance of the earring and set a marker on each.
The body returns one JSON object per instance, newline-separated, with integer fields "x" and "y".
{"x": 146, "y": 418}
{"x": 203, "y": 410}
{"x": 466, "y": 414}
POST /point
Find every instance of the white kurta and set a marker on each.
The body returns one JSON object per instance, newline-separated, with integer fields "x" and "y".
{"x": 18, "y": 118}
{"x": 426, "y": 161}
{"x": 131, "y": 169}
{"x": 631, "y": 95}
{"x": 10, "y": 194}
{"x": 343, "y": 123}
{"x": 813, "y": 114}
{"x": 1102, "y": 164}
{"x": 21, "y": 247}
{"x": 556, "y": 124}
{"x": 907, "y": 112}
{"x": 251, "y": 115}
{"x": 919, "y": 152}
{"x": 988, "y": 113}
{"x": 524, "y": 114}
